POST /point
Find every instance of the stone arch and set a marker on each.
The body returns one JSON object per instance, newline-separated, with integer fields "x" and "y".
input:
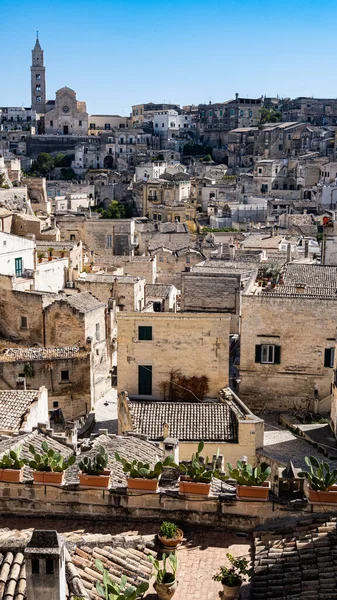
{"x": 108, "y": 162}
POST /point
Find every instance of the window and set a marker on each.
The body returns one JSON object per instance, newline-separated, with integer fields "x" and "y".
{"x": 23, "y": 322}
{"x": 163, "y": 124}
{"x": 38, "y": 77}
{"x": 161, "y": 259}
{"x": 49, "y": 566}
{"x": 55, "y": 404}
{"x": 64, "y": 375}
{"x": 188, "y": 259}
{"x": 107, "y": 126}
{"x": 242, "y": 113}
{"x": 38, "y": 98}
{"x": 232, "y": 111}
{"x": 159, "y": 217}
{"x": 51, "y": 123}
{"x": 80, "y": 123}
{"x": 38, "y": 88}
{"x": 259, "y": 171}
{"x": 109, "y": 241}
{"x": 35, "y": 566}
{"x": 202, "y": 113}
{"x": 145, "y": 380}
{"x": 329, "y": 357}
{"x": 154, "y": 216}
{"x": 18, "y": 267}
{"x": 72, "y": 237}
{"x": 221, "y": 113}
{"x": 97, "y": 332}
{"x": 268, "y": 354}
{"x": 144, "y": 333}
{"x": 156, "y": 125}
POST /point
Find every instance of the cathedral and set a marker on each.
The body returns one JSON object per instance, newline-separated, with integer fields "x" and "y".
{"x": 63, "y": 116}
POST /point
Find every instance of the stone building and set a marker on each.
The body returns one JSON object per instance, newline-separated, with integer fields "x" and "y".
{"x": 105, "y": 238}
{"x": 225, "y": 425}
{"x": 127, "y": 291}
{"x": 67, "y": 373}
{"x": 172, "y": 259}
{"x": 288, "y": 339}
{"x": 145, "y": 112}
{"x": 21, "y": 410}
{"x": 152, "y": 346}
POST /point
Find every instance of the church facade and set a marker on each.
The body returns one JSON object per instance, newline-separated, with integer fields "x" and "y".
{"x": 63, "y": 116}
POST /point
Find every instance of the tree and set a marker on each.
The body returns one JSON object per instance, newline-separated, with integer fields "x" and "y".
{"x": 269, "y": 115}
{"x": 62, "y": 160}
{"x": 68, "y": 174}
{"x": 43, "y": 164}
{"x": 193, "y": 149}
{"x": 115, "y": 210}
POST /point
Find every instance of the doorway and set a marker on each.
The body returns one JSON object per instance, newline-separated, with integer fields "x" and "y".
{"x": 65, "y": 129}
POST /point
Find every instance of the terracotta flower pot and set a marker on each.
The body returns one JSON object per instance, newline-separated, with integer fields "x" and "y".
{"x": 317, "y": 496}
{"x": 230, "y": 592}
{"x": 171, "y": 542}
{"x": 253, "y": 492}
{"x": 165, "y": 591}
{"x": 48, "y": 477}
{"x": 186, "y": 486}
{"x": 138, "y": 483}
{"x": 98, "y": 481}
{"x": 11, "y": 475}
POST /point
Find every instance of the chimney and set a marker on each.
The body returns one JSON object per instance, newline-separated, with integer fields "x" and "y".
{"x": 300, "y": 288}
{"x": 236, "y": 96}
{"x": 171, "y": 446}
{"x": 306, "y": 248}
{"x": 45, "y": 566}
{"x": 166, "y": 430}
{"x": 288, "y": 253}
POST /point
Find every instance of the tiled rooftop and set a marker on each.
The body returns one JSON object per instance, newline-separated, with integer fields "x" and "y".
{"x": 208, "y": 421}
{"x": 318, "y": 280}
{"x": 13, "y": 354}
{"x": 157, "y": 290}
{"x": 297, "y": 561}
{"x": 262, "y": 241}
{"x": 83, "y": 302}
{"x": 14, "y": 404}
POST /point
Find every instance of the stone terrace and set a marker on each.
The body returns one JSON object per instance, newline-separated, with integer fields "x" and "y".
{"x": 201, "y": 553}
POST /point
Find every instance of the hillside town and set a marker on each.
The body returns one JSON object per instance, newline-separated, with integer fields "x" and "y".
{"x": 168, "y": 373}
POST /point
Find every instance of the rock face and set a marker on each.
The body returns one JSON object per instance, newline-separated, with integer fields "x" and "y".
{"x": 15, "y": 199}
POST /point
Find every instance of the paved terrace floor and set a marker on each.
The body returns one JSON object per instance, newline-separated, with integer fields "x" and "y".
{"x": 199, "y": 556}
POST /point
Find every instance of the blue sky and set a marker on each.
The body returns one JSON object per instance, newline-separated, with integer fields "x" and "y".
{"x": 115, "y": 53}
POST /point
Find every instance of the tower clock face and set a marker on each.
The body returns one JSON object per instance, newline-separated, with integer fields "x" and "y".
{"x": 65, "y": 109}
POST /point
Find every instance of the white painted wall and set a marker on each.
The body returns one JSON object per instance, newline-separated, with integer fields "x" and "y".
{"x": 12, "y": 247}
{"x": 50, "y": 276}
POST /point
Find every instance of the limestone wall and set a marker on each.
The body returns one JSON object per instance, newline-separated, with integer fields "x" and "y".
{"x": 195, "y": 344}
{"x": 304, "y": 327}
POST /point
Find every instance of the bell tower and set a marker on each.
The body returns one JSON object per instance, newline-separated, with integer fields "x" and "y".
{"x": 38, "y": 78}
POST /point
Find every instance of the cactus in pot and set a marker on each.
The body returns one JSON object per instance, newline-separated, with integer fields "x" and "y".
{"x": 11, "y": 466}
{"x": 251, "y": 482}
{"x": 49, "y": 465}
{"x": 93, "y": 470}
{"x": 141, "y": 475}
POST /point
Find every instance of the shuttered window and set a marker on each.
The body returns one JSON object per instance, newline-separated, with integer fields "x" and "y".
{"x": 144, "y": 333}
{"x": 329, "y": 357}
{"x": 145, "y": 380}
{"x": 268, "y": 354}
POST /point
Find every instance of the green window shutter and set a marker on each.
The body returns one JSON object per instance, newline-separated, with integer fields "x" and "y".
{"x": 277, "y": 355}
{"x": 327, "y": 357}
{"x": 144, "y": 333}
{"x": 145, "y": 380}
{"x": 258, "y": 354}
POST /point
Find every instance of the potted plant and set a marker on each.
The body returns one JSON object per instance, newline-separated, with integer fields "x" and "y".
{"x": 93, "y": 471}
{"x": 50, "y": 252}
{"x": 141, "y": 476}
{"x": 40, "y": 256}
{"x": 232, "y": 577}
{"x": 49, "y": 466}
{"x": 166, "y": 583}
{"x": 170, "y": 535}
{"x": 11, "y": 466}
{"x": 321, "y": 480}
{"x": 110, "y": 590}
{"x": 196, "y": 478}
{"x": 251, "y": 482}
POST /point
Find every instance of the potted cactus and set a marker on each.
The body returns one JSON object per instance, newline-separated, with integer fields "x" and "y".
{"x": 251, "y": 483}
{"x": 170, "y": 535}
{"x": 11, "y": 466}
{"x": 321, "y": 480}
{"x": 166, "y": 583}
{"x": 109, "y": 589}
{"x": 93, "y": 471}
{"x": 48, "y": 466}
{"x": 141, "y": 476}
{"x": 196, "y": 478}
{"x": 232, "y": 577}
